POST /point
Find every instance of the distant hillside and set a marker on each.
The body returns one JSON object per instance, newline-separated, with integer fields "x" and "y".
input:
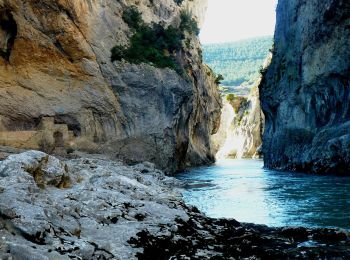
{"x": 238, "y": 62}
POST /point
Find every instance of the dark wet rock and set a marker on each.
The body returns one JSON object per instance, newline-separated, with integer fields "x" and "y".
{"x": 205, "y": 238}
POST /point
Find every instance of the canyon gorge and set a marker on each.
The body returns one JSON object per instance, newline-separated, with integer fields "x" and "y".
{"x": 111, "y": 128}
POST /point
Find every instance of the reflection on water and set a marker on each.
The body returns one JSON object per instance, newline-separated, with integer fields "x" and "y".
{"x": 243, "y": 190}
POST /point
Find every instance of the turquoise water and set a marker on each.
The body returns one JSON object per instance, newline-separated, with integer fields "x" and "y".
{"x": 243, "y": 190}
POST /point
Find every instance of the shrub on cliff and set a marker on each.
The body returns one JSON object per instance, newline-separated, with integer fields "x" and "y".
{"x": 188, "y": 23}
{"x": 262, "y": 71}
{"x": 118, "y": 52}
{"x": 178, "y": 2}
{"x": 219, "y": 79}
{"x": 132, "y": 17}
{"x": 153, "y": 44}
{"x": 237, "y": 102}
{"x": 230, "y": 97}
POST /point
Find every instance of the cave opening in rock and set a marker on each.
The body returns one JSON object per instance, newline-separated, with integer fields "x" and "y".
{"x": 8, "y": 33}
{"x": 237, "y": 38}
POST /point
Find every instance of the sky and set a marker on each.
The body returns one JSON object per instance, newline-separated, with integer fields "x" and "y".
{"x": 232, "y": 20}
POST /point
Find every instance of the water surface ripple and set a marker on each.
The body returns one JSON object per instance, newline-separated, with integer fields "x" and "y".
{"x": 243, "y": 190}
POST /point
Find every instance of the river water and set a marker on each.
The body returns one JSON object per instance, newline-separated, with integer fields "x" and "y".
{"x": 243, "y": 190}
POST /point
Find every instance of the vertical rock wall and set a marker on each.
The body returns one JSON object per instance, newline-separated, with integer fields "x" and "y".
{"x": 305, "y": 91}
{"x": 55, "y": 61}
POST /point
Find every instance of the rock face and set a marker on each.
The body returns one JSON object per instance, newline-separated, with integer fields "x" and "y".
{"x": 55, "y": 62}
{"x": 241, "y": 128}
{"x": 305, "y": 91}
{"x": 248, "y": 128}
{"x": 221, "y": 140}
{"x": 94, "y": 208}
{"x": 88, "y": 207}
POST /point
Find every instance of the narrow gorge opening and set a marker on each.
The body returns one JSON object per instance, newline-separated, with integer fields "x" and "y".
{"x": 237, "y": 55}
{"x": 106, "y": 117}
{"x": 306, "y": 131}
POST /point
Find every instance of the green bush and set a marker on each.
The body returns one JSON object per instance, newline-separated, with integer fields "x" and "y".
{"x": 237, "y": 102}
{"x": 153, "y": 43}
{"x": 178, "y": 2}
{"x": 230, "y": 97}
{"x": 188, "y": 23}
{"x": 219, "y": 79}
{"x": 132, "y": 17}
{"x": 118, "y": 53}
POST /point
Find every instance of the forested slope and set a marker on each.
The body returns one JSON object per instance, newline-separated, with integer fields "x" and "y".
{"x": 238, "y": 62}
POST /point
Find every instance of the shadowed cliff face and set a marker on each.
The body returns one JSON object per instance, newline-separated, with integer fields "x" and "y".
{"x": 55, "y": 61}
{"x": 305, "y": 92}
{"x": 8, "y": 33}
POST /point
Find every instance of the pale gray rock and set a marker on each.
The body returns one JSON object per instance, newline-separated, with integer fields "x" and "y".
{"x": 105, "y": 204}
{"x": 114, "y": 211}
{"x": 45, "y": 169}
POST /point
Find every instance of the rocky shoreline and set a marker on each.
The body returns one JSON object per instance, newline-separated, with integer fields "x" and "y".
{"x": 95, "y": 208}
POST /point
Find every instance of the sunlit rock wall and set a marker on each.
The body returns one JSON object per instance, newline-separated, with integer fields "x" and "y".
{"x": 55, "y": 61}
{"x": 240, "y": 132}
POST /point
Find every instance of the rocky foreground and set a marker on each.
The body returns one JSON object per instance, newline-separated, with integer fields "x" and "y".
{"x": 94, "y": 208}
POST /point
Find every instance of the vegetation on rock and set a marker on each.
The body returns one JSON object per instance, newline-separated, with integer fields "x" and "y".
{"x": 219, "y": 79}
{"x": 132, "y": 17}
{"x": 230, "y": 97}
{"x": 238, "y": 62}
{"x": 237, "y": 102}
{"x": 178, "y": 2}
{"x": 188, "y": 23}
{"x": 153, "y": 43}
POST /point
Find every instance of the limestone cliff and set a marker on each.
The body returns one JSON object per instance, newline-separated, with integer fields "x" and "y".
{"x": 242, "y": 123}
{"x": 55, "y": 62}
{"x": 305, "y": 92}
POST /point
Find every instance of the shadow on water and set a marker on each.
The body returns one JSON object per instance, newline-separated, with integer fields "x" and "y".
{"x": 243, "y": 190}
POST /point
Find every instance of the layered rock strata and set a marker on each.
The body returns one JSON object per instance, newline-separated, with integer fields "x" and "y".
{"x": 55, "y": 62}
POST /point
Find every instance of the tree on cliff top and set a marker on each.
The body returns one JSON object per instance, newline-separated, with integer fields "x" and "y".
{"x": 153, "y": 44}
